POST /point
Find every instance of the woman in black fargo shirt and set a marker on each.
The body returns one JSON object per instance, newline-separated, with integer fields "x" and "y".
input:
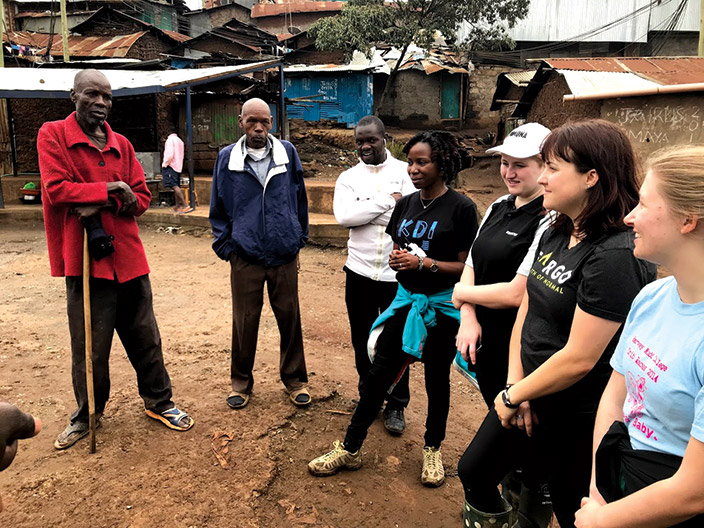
{"x": 493, "y": 284}
{"x": 579, "y": 291}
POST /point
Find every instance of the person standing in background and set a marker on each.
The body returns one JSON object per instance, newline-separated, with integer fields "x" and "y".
{"x": 171, "y": 169}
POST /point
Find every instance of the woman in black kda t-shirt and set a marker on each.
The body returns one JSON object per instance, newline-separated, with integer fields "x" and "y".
{"x": 579, "y": 291}
{"x": 432, "y": 232}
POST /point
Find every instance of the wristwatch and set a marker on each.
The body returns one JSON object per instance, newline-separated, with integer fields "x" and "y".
{"x": 507, "y": 401}
{"x": 434, "y": 266}
{"x": 420, "y": 263}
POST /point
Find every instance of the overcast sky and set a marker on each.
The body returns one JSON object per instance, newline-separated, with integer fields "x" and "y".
{"x": 194, "y": 4}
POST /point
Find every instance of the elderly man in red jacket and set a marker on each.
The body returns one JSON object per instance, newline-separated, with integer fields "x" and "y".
{"x": 90, "y": 176}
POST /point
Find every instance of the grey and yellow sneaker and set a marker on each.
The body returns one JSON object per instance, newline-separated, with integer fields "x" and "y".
{"x": 335, "y": 460}
{"x": 433, "y": 474}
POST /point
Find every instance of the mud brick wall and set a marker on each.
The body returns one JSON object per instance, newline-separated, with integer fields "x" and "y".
{"x": 131, "y": 116}
{"x": 550, "y": 110}
{"x": 149, "y": 47}
{"x": 413, "y": 100}
{"x": 482, "y": 85}
{"x": 29, "y": 115}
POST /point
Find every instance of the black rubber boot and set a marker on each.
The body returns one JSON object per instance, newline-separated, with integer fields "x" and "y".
{"x": 474, "y": 518}
{"x": 534, "y": 509}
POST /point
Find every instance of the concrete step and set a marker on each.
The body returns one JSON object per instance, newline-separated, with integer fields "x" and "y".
{"x": 320, "y": 193}
{"x": 324, "y": 230}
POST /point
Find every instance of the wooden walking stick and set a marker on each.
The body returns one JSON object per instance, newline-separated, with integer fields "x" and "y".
{"x": 88, "y": 331}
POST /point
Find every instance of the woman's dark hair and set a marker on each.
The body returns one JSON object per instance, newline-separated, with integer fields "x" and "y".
{"x": 445, "y": 150}
{"x": 602, "y": 146}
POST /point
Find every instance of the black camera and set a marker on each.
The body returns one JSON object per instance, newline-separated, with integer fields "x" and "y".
{"x": 99, "y": 242}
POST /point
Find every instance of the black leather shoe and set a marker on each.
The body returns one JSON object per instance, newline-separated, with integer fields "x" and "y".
{"x": 394, "y": 421}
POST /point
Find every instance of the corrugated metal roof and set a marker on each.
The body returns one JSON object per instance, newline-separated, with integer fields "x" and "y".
{"x": 581, "y": 82}
{"x": 521, "y": 78}
{"x": 558, "y": 20}
{"x": 611, "y": 77}
{"x": 41, "y": 82}
{"x": 265, "y": 10}
{"x": 108, "y": 11}
{"x": 328, "y": 68}
{"x": 563, "y": 20}
{"x": 660, "y": 70}
{"x": 176, "y": 35}
{"x": 359, "y": 63}
{"x": 78, "y": 46}
{"x": 429, "y": 62}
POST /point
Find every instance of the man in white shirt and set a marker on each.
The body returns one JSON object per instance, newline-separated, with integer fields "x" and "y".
{"x": 365, "y": 196}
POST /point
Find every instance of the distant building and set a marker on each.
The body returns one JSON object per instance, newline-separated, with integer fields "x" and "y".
{"x": 294, "y": 17}
{"x": 659, "y": 101}
{"x": 597, "y": 28}
{"x": 42, "y": 15}
{"x": 215, "y": 16}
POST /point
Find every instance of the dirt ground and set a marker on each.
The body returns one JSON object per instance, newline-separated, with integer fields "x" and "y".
{"x": 144, "y": 475}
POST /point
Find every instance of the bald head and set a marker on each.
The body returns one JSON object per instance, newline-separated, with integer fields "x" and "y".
{"x": 89, "y": 75}
{"x": 255, "y": 121}
{"x": 255, "y": 105}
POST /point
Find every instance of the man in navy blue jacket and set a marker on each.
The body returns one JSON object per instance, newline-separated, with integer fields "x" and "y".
{"x": 259, "y": 215}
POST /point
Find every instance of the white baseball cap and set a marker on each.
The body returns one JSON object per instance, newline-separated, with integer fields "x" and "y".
{"x": 523, "y": 142}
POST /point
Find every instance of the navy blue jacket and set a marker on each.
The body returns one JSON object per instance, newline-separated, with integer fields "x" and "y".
{"x": 265, "y": 225}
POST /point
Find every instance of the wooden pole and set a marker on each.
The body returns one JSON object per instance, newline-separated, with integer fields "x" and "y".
{"x": 88, "y": 331}
{"x": 2, "y": 33}
{"x": 701, "y": 28}
{"x": 64, "y": 30}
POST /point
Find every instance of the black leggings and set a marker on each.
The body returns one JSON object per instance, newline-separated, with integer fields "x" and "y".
{"x": 438, "y": 353}
{"x": 366, "y": 299}
{"x": 559, "y": 452}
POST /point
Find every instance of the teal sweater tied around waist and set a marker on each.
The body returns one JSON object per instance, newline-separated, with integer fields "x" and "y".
{"x": 421, "y": 316}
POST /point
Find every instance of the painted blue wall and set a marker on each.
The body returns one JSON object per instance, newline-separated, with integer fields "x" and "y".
{"x": 346, "y": 97}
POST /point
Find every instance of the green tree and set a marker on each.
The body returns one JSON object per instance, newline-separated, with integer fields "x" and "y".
{"x": 363, "y": 23}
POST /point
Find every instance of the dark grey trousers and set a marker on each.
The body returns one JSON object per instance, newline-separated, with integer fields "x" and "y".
{"x": 247, "y": 282}
{"x": 127, "y": 308}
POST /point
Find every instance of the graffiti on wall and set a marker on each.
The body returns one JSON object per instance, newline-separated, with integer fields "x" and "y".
{"x": 661, "y": 121}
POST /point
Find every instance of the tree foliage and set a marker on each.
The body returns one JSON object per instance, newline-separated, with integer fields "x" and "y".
{"x": 363, "y": 23}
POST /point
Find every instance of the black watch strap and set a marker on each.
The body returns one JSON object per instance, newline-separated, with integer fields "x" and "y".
{"x": 507, "y": 401}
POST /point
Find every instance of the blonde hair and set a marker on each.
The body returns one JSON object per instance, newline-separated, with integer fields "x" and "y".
{"x": 680, "y": 174}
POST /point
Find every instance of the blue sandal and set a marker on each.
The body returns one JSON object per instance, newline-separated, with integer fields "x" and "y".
{"x": 172, "y": 418}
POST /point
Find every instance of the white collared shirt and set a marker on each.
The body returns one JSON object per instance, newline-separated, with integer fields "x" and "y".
{"x": 363, "y": 202}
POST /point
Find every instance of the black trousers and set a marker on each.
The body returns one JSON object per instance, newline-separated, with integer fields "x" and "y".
{"x": 247, "y": 283}
{"x": 126, "y": 308}
{"x": 491, "y": 369}
{"x": 366, "y": 299}
{"x": 438, "y": 353}
{"x": 492, "y": 360}
{"x": 559, "y": 453}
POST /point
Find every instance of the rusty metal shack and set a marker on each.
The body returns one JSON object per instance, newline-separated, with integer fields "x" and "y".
{"x": 657, "y": 100}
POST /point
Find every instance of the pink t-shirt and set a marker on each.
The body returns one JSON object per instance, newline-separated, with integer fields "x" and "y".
{"x": 173, "y": 153}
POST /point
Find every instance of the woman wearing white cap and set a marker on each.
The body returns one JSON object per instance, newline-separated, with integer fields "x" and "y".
{"x": 494, "y": 279}
{"x": 578, "y": 293}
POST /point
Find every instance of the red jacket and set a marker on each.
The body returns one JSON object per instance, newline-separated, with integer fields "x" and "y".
{"x": 75, "y": 172}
